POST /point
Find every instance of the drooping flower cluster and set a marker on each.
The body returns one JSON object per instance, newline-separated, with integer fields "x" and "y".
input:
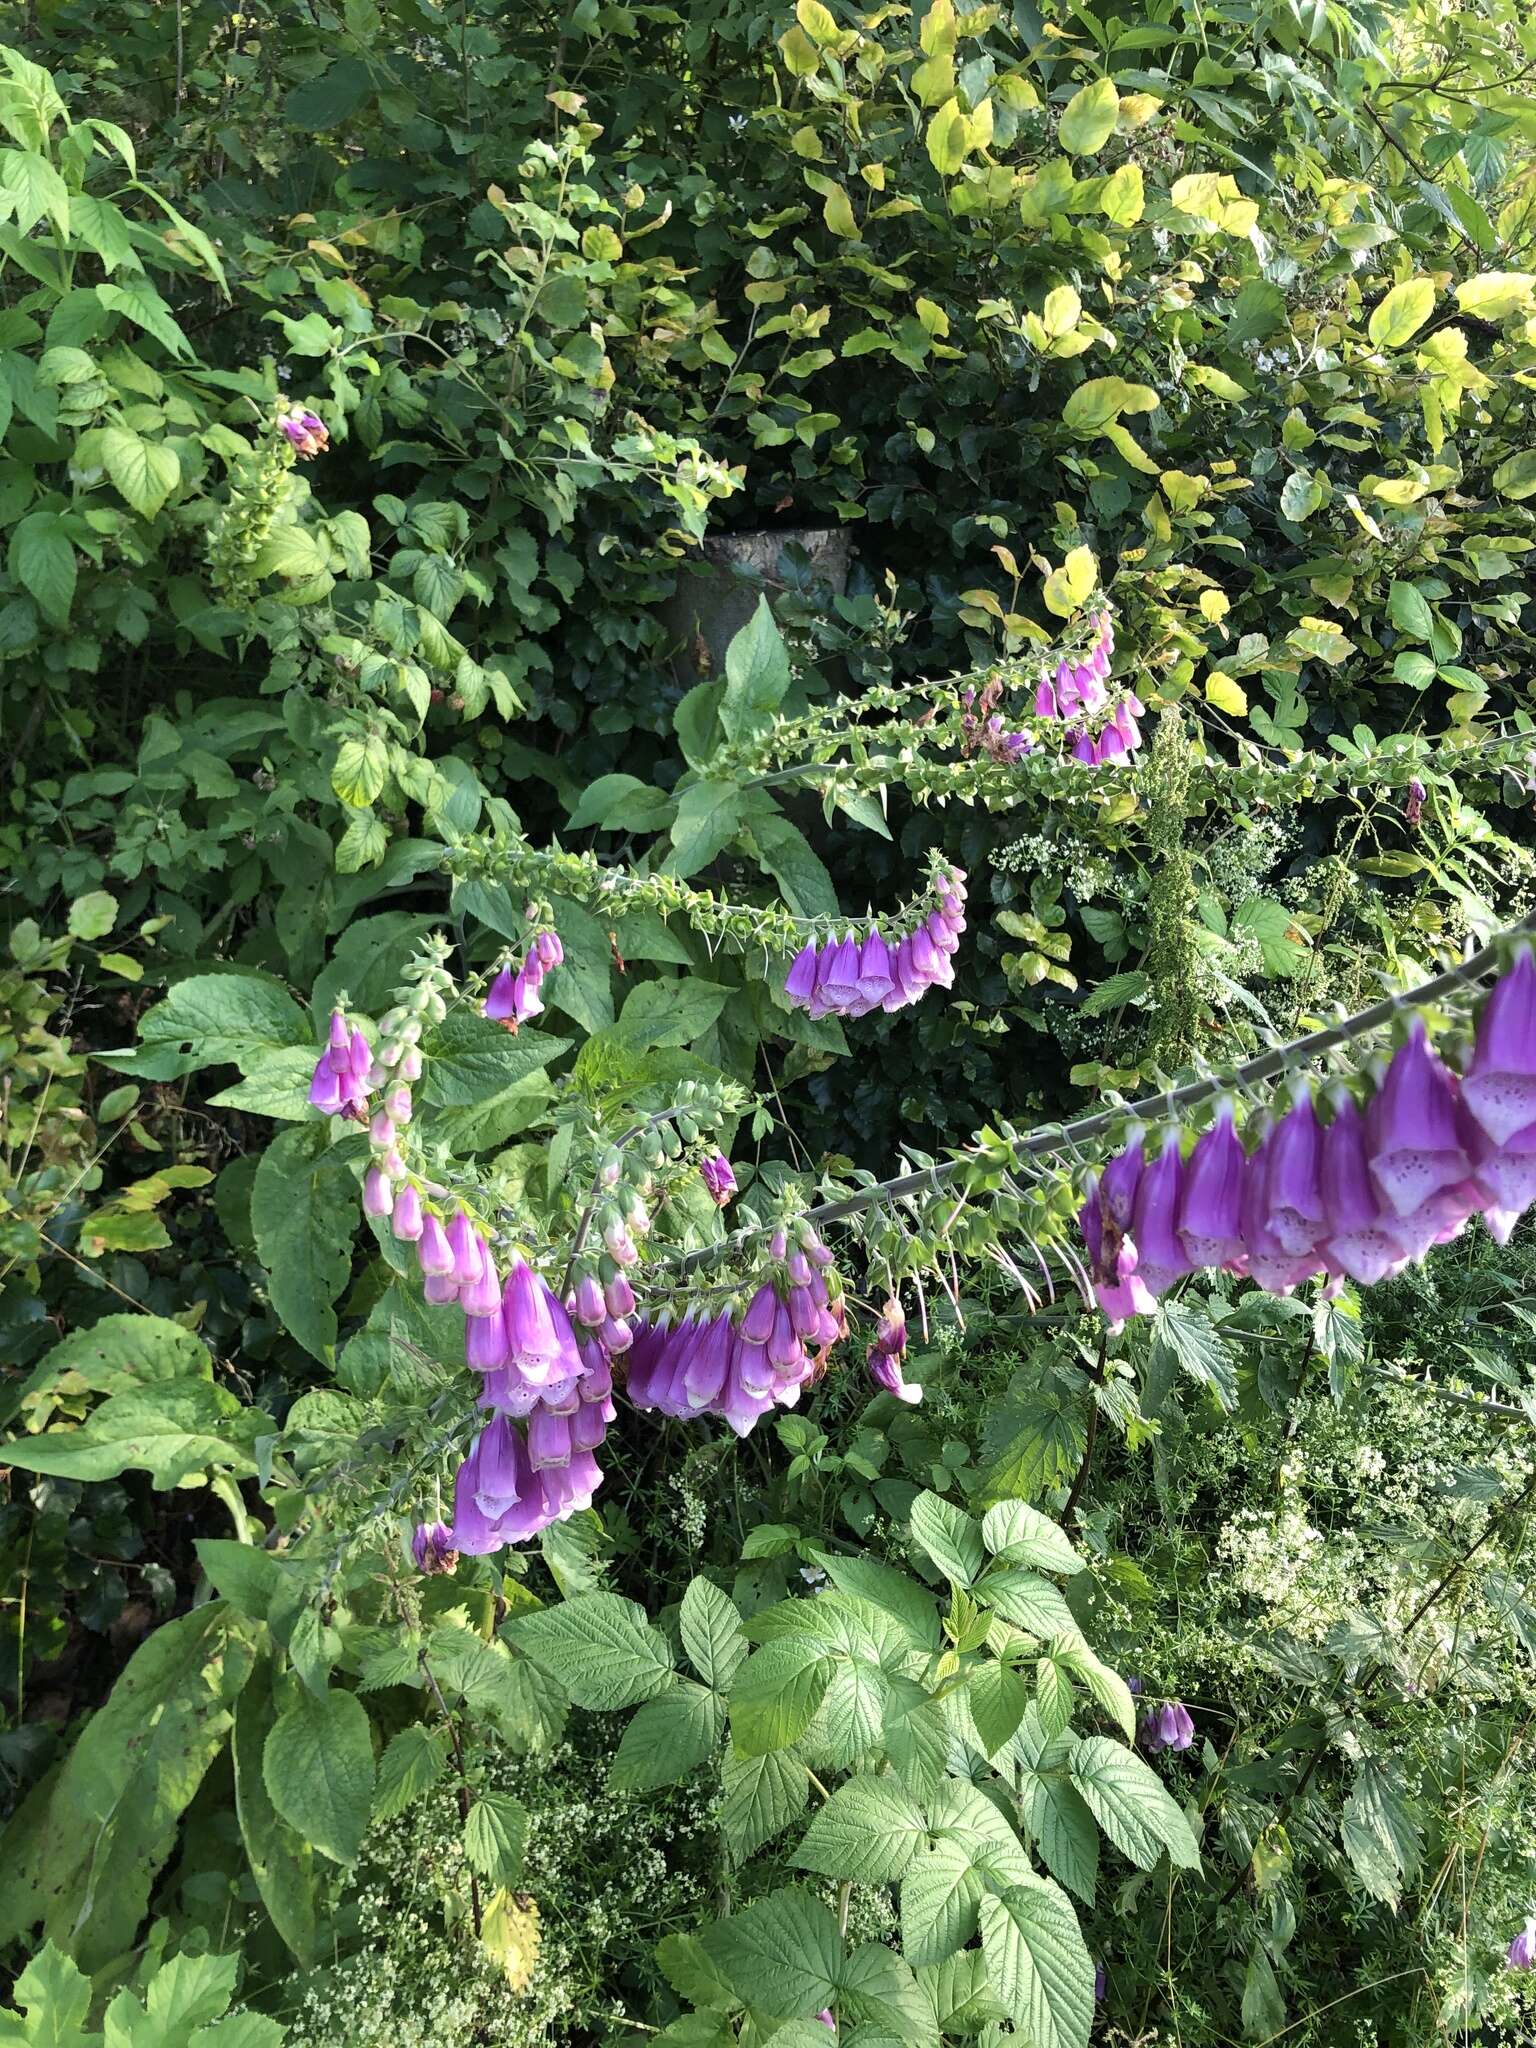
{"x": 304, "y": 430}
{"x": 739, "y": 1369}
{"x": 1166, "y": 1727}
{"x": 849, "y": 977}
{"x": 887, "y": 1352}
{"x": 1075, "y": 692}
{"x": 1363, "y": 1192}
{"x": 343, "y": 1073}
{"x": 513, "y": 996}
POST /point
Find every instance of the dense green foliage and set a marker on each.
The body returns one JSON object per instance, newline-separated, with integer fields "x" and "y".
{"x": 1225, "y": 317}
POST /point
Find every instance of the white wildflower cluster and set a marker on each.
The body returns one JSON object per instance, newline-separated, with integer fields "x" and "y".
{"x": 1238, "y": 863}
{"x": 1280, "y": 1559}
{"x": 1039, "y": 853}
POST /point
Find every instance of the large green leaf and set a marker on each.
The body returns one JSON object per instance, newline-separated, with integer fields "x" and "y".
{"x": 951, "y": 1537}
{"x": 781, "y": 1955}
{"x": 711, "y": 1631}
{"x": 600, "y": 1648}
{"x": 869, "y": 1830}
{"x": 1402, "y": 313}
{"x": 303, "y": 1215}
{"x": 146, "y": 472}
{"x": 317, "y": 1765}
{"x": 940, "y": 1896}
{"x": 762, "y": 1795}
{"x": 1127, "y": 1799}
{"x": 1088, "y": 119}
{"x": 756, "y": 675}
{"x": 280, "y": 1857}
{"x": 176, "y": 1432}
{"x": 1038, "y": 1964}
{"x": 668, "y": 1739}
{"x": 468, "y": 1059}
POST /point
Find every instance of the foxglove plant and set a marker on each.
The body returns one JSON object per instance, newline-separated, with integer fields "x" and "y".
{"x": 850, "y": 976}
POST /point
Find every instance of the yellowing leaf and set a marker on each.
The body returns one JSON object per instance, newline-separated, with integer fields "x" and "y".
{"x": 1092, "y": 406}
{"x": 939, "y": 33}
{"x": 1130, "y": 449}
{"x": 1123, "y": 199}
{"x": 800, "y": 54}
{"x": 1088, "y": 119}
{"x": 1214, "y": 605}
{"x": 948, "y": 138}
{"x": 837, "y": 212}
{"x": 1138, "y": 108}
{"x": 1226, "y": 695}
{"x": 1062, "y": 310}
{"x": 1402, "y": 313}
{"x": 1496, "y": 294}
{"x": 817, "y": 22}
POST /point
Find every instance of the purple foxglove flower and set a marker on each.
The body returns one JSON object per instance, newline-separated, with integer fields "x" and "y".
{"x": 378, "y": 1194}
{"x": 406, "y": 1221}
{"x": 433, "y": 1550}
{"x": 1174, "y": 1725}
{"x": 1294, "y": 1211}
{"x": 1045, "y": 699}
{"x": 839, "y": 981}
{"x": 1411, "y": 1128}
{"x": 1149, "y": 1734}
{"x": 615, "y": 1336}
{"x": 708, "y": 1362}
{"x": 1154, "y": 1223}
{"x": 485, "y": 1343}
{"x": 784, "y": 1346}
{"x": 750, "y": 1367}
{"x": 541, "y": 1344}
{"x": 718, "y": 1178}
{"x": 825, "y": 2016}
{"x": 500, "y": 1004}
{"x": 885, "y": 1371}
{"x": 328, "y": 1091}
{"x": 804, "y": 1312}
{"x": 360, "y": 1054}
{"x": 589, "y": 1425}
{"x": 526, "y": 1001}
{"x": 1500, "y": 1084}
{"x": 1505, "y": 1174}
{"x": 490, "y": 1483}
{"x": 619, "y": 1295}
{"x": 1268, "y": 1261}
{"x": 549, "y": 1439}
{"x": 876, "y": 979}
{"x": 1133, "y": 1687}
{"x": 928, "y": 963}
{"x": 467, "y": 1247}
{"x": 549, "y": 949}
{"x": 908, "y": 985}
{"x": 799, "y": 1268}
{"x": 1068, "y": 700}
{"x": 339, "y": 1035}
{"x": 1413, "y": 807}
{"x": 305, "y": 433}
{"x": 1111, "y": 743}
{"x": 410, "y": 1063}
{"x": 434, "y": 1254}
{"x": 1522, "y": 1950}
{"x": 757, "y": 1323}
{"x": 748, "y": 1393}
{"x": 440, "y": 1288}
{"x": 1085, "y": 749}
{"x": 1361, "y": 1238}
{"x": 801, "y": 983}
{"x": 1210, "y": 1214}
{"x": 481, "y": 1296}
{"x": 589, "y": 1307}
{"x": 596, "y": 1382}
{"x": 397, "y": 1104}
{"x": 381, "y": 1131}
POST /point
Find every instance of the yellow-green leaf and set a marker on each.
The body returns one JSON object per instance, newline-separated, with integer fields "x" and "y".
{"x": 1094, "y": 405}
{"x": 1496, "y": 294}
{"x": 1516, "y": 478}
{"x": 1402, "y": 313}
{"x": 948, "y": 138}
{"x": 817, "y": 22}
{"x": 837, "y": 212}
{"x": 1123, "y": 199}
{"x": 1062, "y": 310}
{"x": 1226, "y": 695}
{"x": 361, "y": 770}
{"x": 800, "y": 54}
{"x": 1088, "y": 119}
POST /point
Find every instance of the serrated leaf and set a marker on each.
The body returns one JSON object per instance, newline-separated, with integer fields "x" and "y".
{"x": 762, "y": 1795}
{"x": 496, "y": 1837}
{"x": 1127, "y": 1799}
{"x": 1016, "y": 1533}
{"x": 1029, "y": 1602}
{"x": 318, "y": 1770}
{"x": 950, "y": 1536}
{"x": 711, "y": 1631}
{"x": 412, "y": 1764}
{"x": 940, "y": 1895}
{"x": 869, "y": 1830}
{"x": 1038, "y": 1964}
{"x": 146, "y": 472}
{"x": 601, "y": 1649}
{"x": 781, "y": 1954}
{"x": 668, "y": 1739}
{"x": 776, "y": 1693}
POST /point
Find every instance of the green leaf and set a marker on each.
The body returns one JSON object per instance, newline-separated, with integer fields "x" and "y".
{"x": 1088, "y": 119}
{"x": 950, "y": 1537}
{"x": 668, "y": 1739}
{"x": 1018, "y": 1534}
{"x": 1029, "y": 1602}
{"x": 670, "y": 1012}
{"x": 711, "y": 1631}
{"x": 600, "y": 1648}
{"x": 795, "y": 865}
{"x": 776, "y": 1694}
{"x": 220, "y": 1019}
{"x": 329, "y": 98}
{"x": 781, "y": 1955}
{"x": 1402, "y": 313}
{"x": 756, "y": 676}
{"x": 280, "y": 1857}
{"x": 1122, "y": 198}
{"x": 709, "y": 815}
{"x": 762, "y": 1795}
{"x": 1514, "y": 477}
{"x": 29, "y": 188}
{"x": 1097, "y": 404}
{"x": 1185, "y": 1339}
{"x": 93, "y": 915}
{"x": 241, "y": 1573}
{"x": 468, "y": 1059}
{"x": 412, "y": 1764}
{"x": 622, "y": 803}
{"x": 940, "y": 1894}
{"x": 1038, "y": 1964}
{"x": 146, "y": 472}
{"x": 303, "y": 1214}
{"x": 123, "y": 1352}
{"x": 997, "y": 1697}
{"x": 318, "y": 1769}
{"x": 361, "y": 769}
{"x": 1381, "y": 1835}
{"x": 1128, "y": 1801}
{"x": 1281, "y": 940}
{"x": 878, "y": 1988}
{"x": 55, "y": 1997}
{"x": 1496, "y": 294}
{"x": 42, "y": 560}
{"x": 174, "y": 1431}
{"x": 869, "y": 1830}
{"x": 1408, "y": 609}
{"x": 496, "y": 1837}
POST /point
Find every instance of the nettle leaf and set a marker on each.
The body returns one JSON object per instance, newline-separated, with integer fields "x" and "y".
{"x": 869, "y": 1830}
{"x": 1038, "y": 1964}
{"x": 412, "y": 1764}
{"x": 711, "y": 1631}
{"x": 668, "y": 1739}
{"x": 762, "y": 1795}
{"x": 782, "y": 1955}
{"x": 318, "y": 1770}
{"x": 496, "y": 1837}
{"x": 1381, "y": 1833}
{"x": 1127, "y": 1799}
{"x": 600, "y": 1648}
{"x": 950, "y": 1536}
{"x": 1183, "y": 1337}
{"x": 303, "y": 1207}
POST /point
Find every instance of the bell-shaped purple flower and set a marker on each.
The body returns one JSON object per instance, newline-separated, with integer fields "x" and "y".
{"x": 876, "y": 979}
{"x": 434, "y": 1254}
{"x": 549, "y": 1438}
{"x": 839, "y": 982}
{"x": 1411, "y": 1128}
{"x": 716, "y": 1174}
{"x": 1154, "y": 1222}
{"x": 485, "y": 1342}
{"x": 407, "y": 1220}
{"x": 493, "y": 1481}
{"x": 1210, "y": 1214}
{"x": 800, "y": 985}
{"x": 378, "y": 1193}
{"x": 432, "y": 1548}
{"x": 1521, "y": 1954}
{"x": 482, "y": 1295}
{"x": 1500, "y": 1084}
{"x": 500, "y": 1006}
{"x": 541, "y": 1344}
{"x": 1361, "y": 1239}
{"x": 1294, "y": 1209}
{"x": 547, "y": 946}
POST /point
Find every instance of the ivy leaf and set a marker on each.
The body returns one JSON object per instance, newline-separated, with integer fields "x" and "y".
{"x": 1127, "y": 1799}
{"x": 318, "y": 1770}
{"x": 1038, "y": 1964}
